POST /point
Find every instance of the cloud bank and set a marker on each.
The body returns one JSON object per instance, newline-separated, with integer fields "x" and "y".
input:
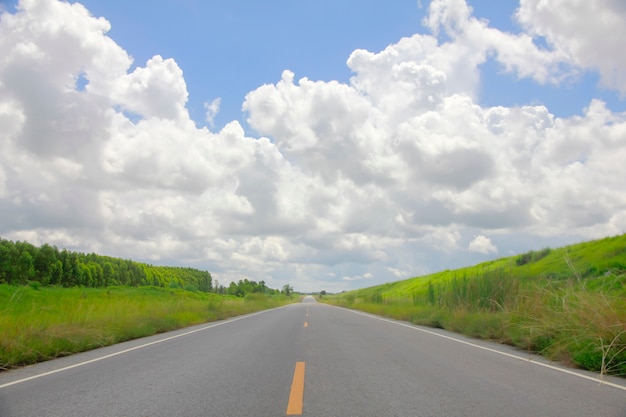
{"x": 396, "y": 173}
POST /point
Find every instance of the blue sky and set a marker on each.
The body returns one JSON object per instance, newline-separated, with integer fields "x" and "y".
{"x": 227, "y": 49}
{"x": 354, "y": 142}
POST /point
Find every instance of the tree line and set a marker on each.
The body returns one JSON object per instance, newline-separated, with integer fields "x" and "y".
{"x": 22, "y": 263}
{"x": 245, "y": 286}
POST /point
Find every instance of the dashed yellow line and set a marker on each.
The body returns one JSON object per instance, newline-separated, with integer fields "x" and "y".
{"x": 296, "y": 396}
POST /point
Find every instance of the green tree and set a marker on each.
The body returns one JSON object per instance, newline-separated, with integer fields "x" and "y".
{"x": 205, "y": 284}
{"x": 108, "y": 273}
{"x": 56, "y": 272}
{"x": 287, "y": 290}
{"x": 85, "y": 276}
{"x": 44, "y": 259}
{"x": 25, "y": 267}
{"x": 234, "y": 289}
{"x": 8, "y": 258}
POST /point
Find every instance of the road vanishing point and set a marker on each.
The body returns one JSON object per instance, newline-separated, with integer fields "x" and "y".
{"x": 307, "y": 359}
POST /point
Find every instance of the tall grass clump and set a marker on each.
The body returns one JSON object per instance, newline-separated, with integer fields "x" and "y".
{"x": 569, "y": 322}
{"x": 490, "y": 291}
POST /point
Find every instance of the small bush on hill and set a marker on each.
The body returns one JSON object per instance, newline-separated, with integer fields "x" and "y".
{"x": 531, "y": 256}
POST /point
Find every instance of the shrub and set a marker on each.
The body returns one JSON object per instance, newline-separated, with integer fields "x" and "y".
{"x": 532, "y": 256}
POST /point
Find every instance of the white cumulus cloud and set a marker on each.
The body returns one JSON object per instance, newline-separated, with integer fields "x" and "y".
{"x": 368, "y": 180}
{"x": 588, "y": 33}
{"x": 212, "y": 109}
{"x": 482, "y": 244}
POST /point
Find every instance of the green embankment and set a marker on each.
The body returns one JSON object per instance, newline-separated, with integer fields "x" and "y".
{"x": 39, "y": 323}
{"x": 568, "y": 304}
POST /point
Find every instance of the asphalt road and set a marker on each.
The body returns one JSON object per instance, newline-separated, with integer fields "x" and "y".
{"x": 308, "y": 359}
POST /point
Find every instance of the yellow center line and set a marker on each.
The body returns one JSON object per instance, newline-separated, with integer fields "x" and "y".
{"x": 294, "y": 408}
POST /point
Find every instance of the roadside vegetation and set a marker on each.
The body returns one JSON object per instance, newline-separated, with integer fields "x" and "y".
{"x": 40, "y": 323}
{"x": 22, "y": 263}
{"x": 55, "y": 302}
{"x": 568, "y": 304}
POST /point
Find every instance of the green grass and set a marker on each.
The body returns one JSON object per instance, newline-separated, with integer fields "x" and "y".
{"x": 568, "y": 304}
{"x": 40, "y": 323}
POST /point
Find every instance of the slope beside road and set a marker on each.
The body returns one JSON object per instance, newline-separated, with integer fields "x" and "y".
{"x": 306, "y": 359}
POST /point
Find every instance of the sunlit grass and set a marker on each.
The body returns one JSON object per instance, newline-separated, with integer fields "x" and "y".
{"x": 568, "y": 304}
{"x": 42, "y": 323}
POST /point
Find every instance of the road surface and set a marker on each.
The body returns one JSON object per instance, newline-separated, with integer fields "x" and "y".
{"x": 307, "y": 359}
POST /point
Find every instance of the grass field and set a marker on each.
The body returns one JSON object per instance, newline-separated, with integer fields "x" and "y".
{"x": 40, "y": 323}
{"x": 568, "y": 304}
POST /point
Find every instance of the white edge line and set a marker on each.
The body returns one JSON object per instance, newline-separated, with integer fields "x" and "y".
{"x": 121, "y": 352}
{"x": 521, "y": 358}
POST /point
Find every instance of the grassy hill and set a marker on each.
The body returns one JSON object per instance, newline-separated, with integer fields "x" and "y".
{"x": 568, "y": 304}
